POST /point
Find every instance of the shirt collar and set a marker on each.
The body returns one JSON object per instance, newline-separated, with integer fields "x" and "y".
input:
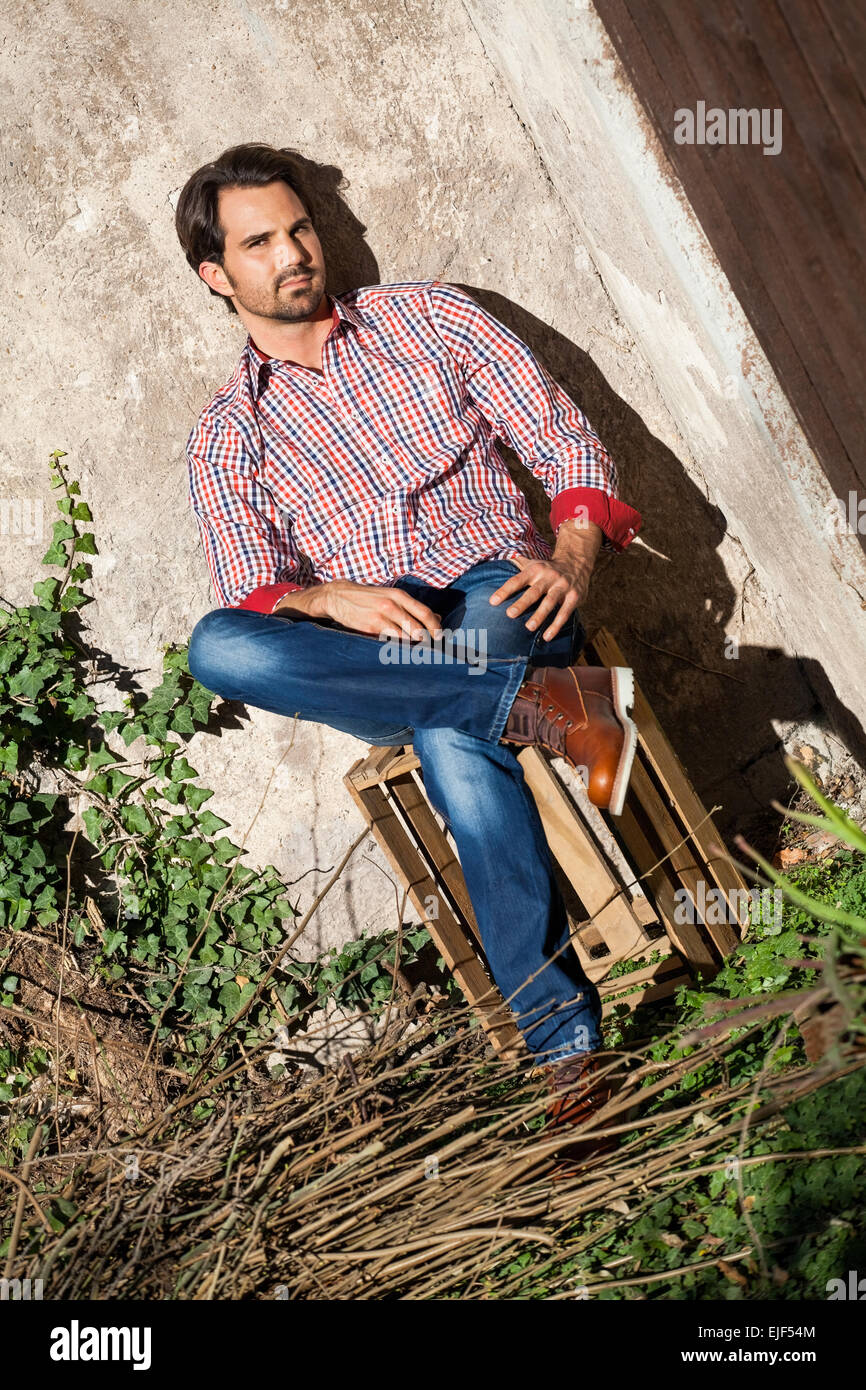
{"x": 340, "y": 313}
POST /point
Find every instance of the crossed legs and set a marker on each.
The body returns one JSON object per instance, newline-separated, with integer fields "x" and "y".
{"x": 453, "y": 713}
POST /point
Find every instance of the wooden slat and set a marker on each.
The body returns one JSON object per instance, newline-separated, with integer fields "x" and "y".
{"x": 446, "y": 932}
{"x": 644, "y": 911}
{"x": 844, "y": 20}
{"x": 650, "y": 974}
{"x": 830, "y": 188}
{"x": 587, "y": 871}
{"x": 414, "y": 805}
{"x": 685, "y": 936}
{"x": 835, "y": 74}
{"x": 671, "y": 774}
{"x": 593, "y": 967}
{"x": 657, "y": 943}
{"x": 759, "y": 65}
{"x": 681, "y": 857}
{"x": 650, "y": 994}
{"x": 786, "y": 228}
{"x": 598, "y": 967}
{"x": 383, "y": 763}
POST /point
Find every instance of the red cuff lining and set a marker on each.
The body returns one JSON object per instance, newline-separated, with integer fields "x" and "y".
{"x": 619, "y": 522}
{"x": 267, "y": 596}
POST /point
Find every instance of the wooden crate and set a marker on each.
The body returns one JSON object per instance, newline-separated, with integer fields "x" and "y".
{"x": 629, "y": 881}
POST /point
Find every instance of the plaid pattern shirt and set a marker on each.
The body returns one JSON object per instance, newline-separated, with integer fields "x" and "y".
{"x": 384, "y": 464}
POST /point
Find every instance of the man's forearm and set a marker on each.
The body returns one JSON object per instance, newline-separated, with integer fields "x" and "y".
{"x": 578, "y": 542}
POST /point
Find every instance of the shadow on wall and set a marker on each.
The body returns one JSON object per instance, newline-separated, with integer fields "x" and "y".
{"x": 674, "y": 617}
{"x": 669, "y": 615}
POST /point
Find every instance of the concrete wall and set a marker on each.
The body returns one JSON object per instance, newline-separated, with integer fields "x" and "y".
{"x": 738, "y": 441}
{"x": 474, "y": 146}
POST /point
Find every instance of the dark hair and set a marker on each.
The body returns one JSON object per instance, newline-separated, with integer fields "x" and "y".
{"x": 196, "y": 217}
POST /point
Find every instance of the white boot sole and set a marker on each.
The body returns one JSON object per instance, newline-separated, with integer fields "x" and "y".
{"x": 622, "y": 681}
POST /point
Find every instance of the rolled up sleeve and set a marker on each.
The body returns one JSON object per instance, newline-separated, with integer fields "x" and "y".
{"x": 529, "y": 410}
{"x": 247, "y": 540}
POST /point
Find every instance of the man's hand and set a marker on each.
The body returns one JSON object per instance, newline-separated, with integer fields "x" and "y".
{"x": 368, "y": 608}
{"x": 562, "y": 582}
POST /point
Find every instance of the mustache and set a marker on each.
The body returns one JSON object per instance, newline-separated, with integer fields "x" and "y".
{"x": 306, "y": 275}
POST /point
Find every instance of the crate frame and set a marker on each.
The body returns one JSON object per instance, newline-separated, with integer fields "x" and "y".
{"x": 625, "y": 878}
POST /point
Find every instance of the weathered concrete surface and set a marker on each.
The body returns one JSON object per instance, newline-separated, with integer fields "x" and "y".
{"x": 112, "y": 347}
{"x": 762, "y": 556}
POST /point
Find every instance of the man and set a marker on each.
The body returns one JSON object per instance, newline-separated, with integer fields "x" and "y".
{"x": 348, "y": 491}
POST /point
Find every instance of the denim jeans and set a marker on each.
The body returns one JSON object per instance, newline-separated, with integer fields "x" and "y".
{"x": 450, "y": 699}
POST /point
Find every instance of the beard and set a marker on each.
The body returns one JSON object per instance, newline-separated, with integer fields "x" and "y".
{"x": 287, "y": 303}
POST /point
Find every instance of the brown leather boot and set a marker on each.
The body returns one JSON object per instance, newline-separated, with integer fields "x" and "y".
{"x": 578, "y": 1094}
{"x": 581, "y": 714}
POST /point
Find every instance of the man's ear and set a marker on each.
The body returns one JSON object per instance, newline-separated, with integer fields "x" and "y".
{"x": 215, "y": 278}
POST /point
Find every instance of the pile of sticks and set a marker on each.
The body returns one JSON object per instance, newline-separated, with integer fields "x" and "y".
{"x": 419, "y": 1169}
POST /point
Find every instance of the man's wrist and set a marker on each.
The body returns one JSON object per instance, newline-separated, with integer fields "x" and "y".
{"x": 301, "y": 600}
{"x": 578, "y": 539}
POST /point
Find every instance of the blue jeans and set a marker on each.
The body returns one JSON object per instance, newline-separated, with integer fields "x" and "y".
{"x": 450, "y": 698}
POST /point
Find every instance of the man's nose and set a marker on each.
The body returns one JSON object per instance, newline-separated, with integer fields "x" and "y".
{"x": 288, "y": 252}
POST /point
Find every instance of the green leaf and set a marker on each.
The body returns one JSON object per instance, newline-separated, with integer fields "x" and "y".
{"x": 157, "y": 728}
{"x": 94, "y": 819}
{"x": 100, "y": 757}
{"x": 28, "y": 683}
{"x": 46, "y": 590}
{"x": 181, "y": 721}
{"x": 86, "y": 544}
{"x": 180, "y": 770}
{"x": 81, "y": 706}
{"x": 196, "y": 796}
{"x": 225, "y": 850}
{"x": 118, "y": 780}
{"x": 19, "y": 914}
{"x": 199, "y": 974}
{"x": 9, "y": 758}
{"x": 111, "y": 719}
{"x": 74, "y": 597}
{"x": 195, "y": 997}
{"x": 229, "y": 997}
{"x": 136, "y": 820}
{"x": 200, "y": 701}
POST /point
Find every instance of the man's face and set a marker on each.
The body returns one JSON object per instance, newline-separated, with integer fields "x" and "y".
{"x": 273, "y": 264}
